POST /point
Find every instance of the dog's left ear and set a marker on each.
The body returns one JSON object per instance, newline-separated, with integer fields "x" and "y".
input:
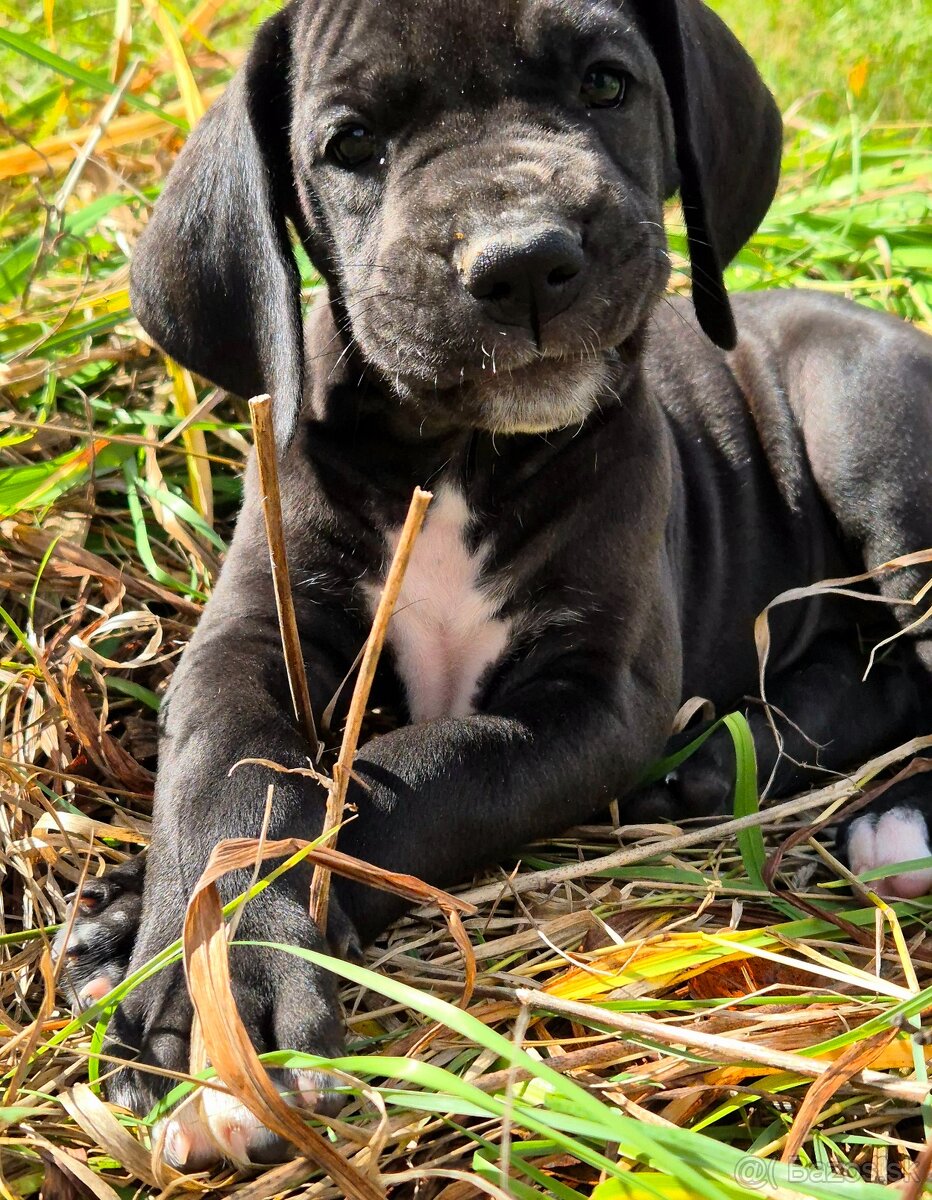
{"x": 213, "y": 277}
{"x": 728, "y": 143}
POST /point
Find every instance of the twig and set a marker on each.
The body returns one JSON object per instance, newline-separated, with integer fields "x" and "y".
{"x": 198, "y": 413}
{"x": 336, "y": 798}
{"x": 724, "y": 1049}
{"x": 260, "y": 409}
{"x": 107, "y": 114}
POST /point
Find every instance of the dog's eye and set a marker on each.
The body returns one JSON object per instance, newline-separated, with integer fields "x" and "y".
{"x": 603, "y": 87}
{"x": 352, "y": 146}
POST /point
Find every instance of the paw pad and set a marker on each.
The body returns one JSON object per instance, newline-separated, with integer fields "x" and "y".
{"x": 217, "y": 1126}
{"x": 896, "y": 836}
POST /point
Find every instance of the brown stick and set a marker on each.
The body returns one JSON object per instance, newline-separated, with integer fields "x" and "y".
{"x": 260, "y": 410}
{"x": 336, "y": 798}
{"x": 720, "y": 1048}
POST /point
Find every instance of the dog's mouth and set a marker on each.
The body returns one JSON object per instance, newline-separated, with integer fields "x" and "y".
{"x": 545, "y": 394}
{"x": 449, "y": 365}
{"x": 537, "y": 394}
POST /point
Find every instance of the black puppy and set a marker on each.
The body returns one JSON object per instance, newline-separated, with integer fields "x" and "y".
{"x": 616, "y": 498}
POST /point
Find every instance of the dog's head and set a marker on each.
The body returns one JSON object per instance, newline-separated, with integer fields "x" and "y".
{"x": 481, "y": 184}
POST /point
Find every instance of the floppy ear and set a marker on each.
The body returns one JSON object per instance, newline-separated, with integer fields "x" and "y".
{"x": 213, "y": 278}
{"x": 728, "y": 142}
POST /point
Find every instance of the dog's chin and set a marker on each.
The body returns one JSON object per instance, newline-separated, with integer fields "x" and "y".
{"x": 544, "y": 396}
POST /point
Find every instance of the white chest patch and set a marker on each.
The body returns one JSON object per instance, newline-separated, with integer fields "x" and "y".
{"x": 445, "y": 631}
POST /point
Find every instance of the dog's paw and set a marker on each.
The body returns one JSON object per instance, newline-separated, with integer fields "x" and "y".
{"x": 897, "y": 829}
{"x": 214, "y": 1126}
{"x": 96, "y": 939}
{"x": 284, "y": 1002}
{"x": 703, "y": 785}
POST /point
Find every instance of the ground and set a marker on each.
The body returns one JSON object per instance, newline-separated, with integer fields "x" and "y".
{"x": 118, "y": 484}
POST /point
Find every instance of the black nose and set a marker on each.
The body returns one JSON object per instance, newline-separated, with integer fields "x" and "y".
{"x": 525, "y": 277}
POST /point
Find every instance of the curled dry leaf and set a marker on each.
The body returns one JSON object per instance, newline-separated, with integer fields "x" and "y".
{"x": 127, "y": 623}
{"x": 85, "y": 828}
{"x": 225, "y": 1040}
{"x": 229, "y": 1049}
{"x": 835, "y": 587}
{"x": 73, "y": 561}
{"x": 104, "y": 751}
{"x": 742, "y": 978}
{"x": 97, "y": 1120}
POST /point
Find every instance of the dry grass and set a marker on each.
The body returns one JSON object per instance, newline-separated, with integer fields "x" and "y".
{"x": 680, "y": 949}
{"x": 116, "y": 497}
{"x": 637, "y": 925}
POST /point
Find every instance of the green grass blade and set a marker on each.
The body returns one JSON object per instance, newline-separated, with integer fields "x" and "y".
{"x": 61, "y": 66}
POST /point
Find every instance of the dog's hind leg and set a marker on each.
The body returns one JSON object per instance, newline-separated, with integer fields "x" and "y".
{"x": 865, "y": 410}
{"x": 860, "y": 387}
{"x": 822, "y": 718}
{"x": 826, "y": 720}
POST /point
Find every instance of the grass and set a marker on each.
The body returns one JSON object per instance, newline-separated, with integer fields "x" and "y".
{"x": 118, "y": 486}
{"x": 821, "y": 52}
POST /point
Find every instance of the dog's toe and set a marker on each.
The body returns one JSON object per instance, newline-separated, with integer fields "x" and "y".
{"x": 239, "y": 1135}
{"x": 93, "y": 945}
{"x": 220, "y": 1127}
{"x": 887, "y": 839}
{"x": 317, "y": 1091}
{"x": 95, "y": 989}
{"x": 243, "y": 1139}
{"x": 185, "y": 1141}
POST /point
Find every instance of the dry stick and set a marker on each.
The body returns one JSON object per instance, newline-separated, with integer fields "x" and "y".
{"x": 107, "y": 114}
{"x": 336, "y": 797}
{"x": 260, "y": 409}
{"x": 727, "y": 1049}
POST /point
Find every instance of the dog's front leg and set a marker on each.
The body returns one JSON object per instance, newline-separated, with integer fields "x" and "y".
{"x": 441, "y": 799}
{"x": 229, "y": 702}
{"x": 437, "y": 799}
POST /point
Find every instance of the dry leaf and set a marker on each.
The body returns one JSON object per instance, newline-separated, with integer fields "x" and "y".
{"x": 854, "y": 1060}
{"x": 742, "y": 977}
{"x": 227, "y": 1044}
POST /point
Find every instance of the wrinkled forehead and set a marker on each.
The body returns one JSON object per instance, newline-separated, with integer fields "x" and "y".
{"x": 374, "y": 47}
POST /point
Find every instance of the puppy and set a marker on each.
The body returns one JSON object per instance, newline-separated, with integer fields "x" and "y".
{"x": 621, "y": 485}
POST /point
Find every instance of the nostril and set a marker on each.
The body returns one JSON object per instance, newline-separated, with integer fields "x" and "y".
{"x": 498, "y": 291}
{"x": 562, "y": 274}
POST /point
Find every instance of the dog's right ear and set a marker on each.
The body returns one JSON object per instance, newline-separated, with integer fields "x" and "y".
{"x": 213, "y": 278}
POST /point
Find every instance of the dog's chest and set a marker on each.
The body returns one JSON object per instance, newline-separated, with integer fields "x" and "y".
{"x": 445, "y": 631}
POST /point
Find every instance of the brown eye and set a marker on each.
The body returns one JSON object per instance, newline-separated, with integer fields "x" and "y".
{"x": 352, "y": 146}
{"x": 603, "y": 87}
